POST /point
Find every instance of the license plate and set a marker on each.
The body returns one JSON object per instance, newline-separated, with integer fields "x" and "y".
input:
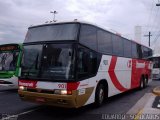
{"x": 40, "y": 100}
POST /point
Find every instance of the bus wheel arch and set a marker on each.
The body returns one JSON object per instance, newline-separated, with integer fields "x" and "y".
{"x": 101, "y": 92}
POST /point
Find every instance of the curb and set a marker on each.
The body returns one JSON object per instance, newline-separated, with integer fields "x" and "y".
{"x": 156, "y": 90}
{"x": 147, "y": 112}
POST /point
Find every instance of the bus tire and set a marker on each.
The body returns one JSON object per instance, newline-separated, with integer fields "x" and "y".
{"x": 142, "y": 83}
{"x": 99, "y": 95}
{"x": 146, "y": 80}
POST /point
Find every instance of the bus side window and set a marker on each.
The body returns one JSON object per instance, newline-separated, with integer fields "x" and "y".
{"x": 87, "y": 63}
{"x": 82, "y": 63}
{"x": 14, "y": 61}
{"x": 93, "y": 63}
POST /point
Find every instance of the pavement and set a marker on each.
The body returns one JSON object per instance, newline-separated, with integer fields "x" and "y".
{"x": 151, "y": 109}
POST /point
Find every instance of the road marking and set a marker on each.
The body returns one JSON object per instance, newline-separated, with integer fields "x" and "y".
{"x": 16, "y": 116}
{"x": 140, "y": 104}
{"x": 138, "y": 115}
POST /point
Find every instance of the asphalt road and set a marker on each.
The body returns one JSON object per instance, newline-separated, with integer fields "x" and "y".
{"x": 11, "y": 106}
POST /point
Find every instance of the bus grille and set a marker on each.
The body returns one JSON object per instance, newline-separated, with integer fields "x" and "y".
{"x": 40, "y": 91}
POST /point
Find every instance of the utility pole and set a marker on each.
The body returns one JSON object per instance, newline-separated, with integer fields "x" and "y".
{"x": 149, "y": 36}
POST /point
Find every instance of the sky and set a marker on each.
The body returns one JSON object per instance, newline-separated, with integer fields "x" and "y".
{"x": 119, "y": 16}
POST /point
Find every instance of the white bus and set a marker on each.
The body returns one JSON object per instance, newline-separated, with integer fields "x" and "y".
{"x": 156, "y": 66}
{"x": 73, "y": 64}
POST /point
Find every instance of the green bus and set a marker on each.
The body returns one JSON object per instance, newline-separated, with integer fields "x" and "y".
{"x": 10, "y": 59}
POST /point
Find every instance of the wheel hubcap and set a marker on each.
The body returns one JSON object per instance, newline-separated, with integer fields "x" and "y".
{"x": 145, "y": 81}
{"x": 101, "y": 95}
{"x": 141, "y": 84}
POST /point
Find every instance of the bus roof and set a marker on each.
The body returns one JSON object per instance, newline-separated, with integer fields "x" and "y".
{"x": 10, "y": 44}
{"x": 75, "y": 21}
{"x": 85, "y": 22}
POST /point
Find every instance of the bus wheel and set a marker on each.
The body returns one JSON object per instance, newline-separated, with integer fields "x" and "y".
{"x": 142, "y": 83}
{"x": 146, "y": 80}
{"x": 100, "y": 95}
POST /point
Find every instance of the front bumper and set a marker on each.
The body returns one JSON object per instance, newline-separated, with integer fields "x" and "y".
{"x": 155, "y": 76}
{"x": 67, "y": 101}
{"x": 9, "y": 82}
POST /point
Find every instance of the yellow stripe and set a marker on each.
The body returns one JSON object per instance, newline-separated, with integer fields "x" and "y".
{"x": 138, "y": 115}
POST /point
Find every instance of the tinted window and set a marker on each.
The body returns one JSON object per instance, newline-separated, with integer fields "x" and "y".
{"x": 117, "y": 45}
{"x": 31, "y": 60}
{"x": 134, "y": 50}
{"x": 52, "y": 33}
{"x": 88, "y": 36}
{"x": 87, "y": 63}
{"x": 8, "y": 60}
{"x": 146, "y": 52}
{"x": 156, "y": 63}
{"x": 150, "y": 52}
{"x": 48, "y": 61}
{"x": 127, "y": 48}
{"x": 104, "y": 41}
{"x": 139, "y": 49}
{"x": 58, "y": 61}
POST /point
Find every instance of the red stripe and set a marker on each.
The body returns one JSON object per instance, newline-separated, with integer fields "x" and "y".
{"x": 72, "y": 85}
{"x": 113, "y": 76}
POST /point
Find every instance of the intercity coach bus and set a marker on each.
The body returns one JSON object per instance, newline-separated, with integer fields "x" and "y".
{"x": 10, "y": 59}
{"x": 73, "y": 64}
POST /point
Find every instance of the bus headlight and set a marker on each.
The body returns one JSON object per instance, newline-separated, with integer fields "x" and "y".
{"x": 22, "y": 88}
{"x": 62, "y": 92}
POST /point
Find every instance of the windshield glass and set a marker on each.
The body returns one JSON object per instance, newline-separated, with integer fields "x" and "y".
{"x": 31, "y": 60}
{"x": 52, "y": 32}
{"x": 8, "y": 60}
{"x": 48, "y": 61}
{"x": 156, "y": 62}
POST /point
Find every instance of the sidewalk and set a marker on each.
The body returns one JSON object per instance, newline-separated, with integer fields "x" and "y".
{"x": 151, "y": 110}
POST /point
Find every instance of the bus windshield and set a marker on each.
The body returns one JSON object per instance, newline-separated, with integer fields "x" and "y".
{"x": 8, "y": 60}
{"x": 156, "y": 62}
{"x": 52, "y": 32}
{"x": 48, "y": 62}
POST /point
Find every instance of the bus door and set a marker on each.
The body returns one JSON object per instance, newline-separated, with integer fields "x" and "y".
{"x": 86, "y": 70}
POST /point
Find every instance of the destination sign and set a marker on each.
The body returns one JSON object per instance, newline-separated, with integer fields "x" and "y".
{"x": 8, "y": 47}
